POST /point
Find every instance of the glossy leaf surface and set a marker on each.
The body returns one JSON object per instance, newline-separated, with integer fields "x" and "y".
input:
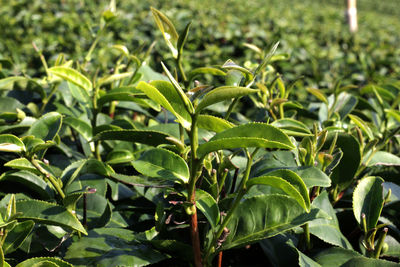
{"x": 162, "y": 163}
{"x": 368, "y": 200}
{"x": 248, "y": 135}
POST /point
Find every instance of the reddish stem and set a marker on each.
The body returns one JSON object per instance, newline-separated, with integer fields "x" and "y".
{"x": 195, "y": 239}
{"x": 220, "y": 259}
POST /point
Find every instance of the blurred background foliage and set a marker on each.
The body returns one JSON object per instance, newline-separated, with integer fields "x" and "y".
{"x": 313, "y": 33}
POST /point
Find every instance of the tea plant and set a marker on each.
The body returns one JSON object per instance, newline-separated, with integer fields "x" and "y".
{"x": 122, "y": 165}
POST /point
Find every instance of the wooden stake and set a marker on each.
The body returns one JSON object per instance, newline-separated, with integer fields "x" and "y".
{"x": 351, "y": 15}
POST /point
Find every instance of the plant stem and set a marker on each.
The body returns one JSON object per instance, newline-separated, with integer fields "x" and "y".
{"x": 230, "y": 109}
{"x": 51, "y": 178}
{"x": 242, "y": 190}
{"x": 381, "y": 241}
{"x": 307, "y": 236}
{"x": 195, "y": 165}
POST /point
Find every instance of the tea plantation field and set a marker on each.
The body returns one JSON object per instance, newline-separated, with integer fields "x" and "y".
{"x": 199, "y": 133}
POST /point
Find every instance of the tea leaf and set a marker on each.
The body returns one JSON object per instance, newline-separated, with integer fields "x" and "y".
{"x": 111, "y": 247}
{"x": 167, "y": 29}
{"x": 264, "y": 216}
{"x": 80, "y": 126}
{"x": 166, "y": 98}
{"x": 292, "y": 127}
{"x": 328, "y": 229}
{"x": 383, "y": 158}
{"x": 318, "y": 94}
{"x": 282, "y": 184}
{"x": 162, "y": 163}
{"x": 48, "y": 213}
{"x": 208, "y": 206}
{"x": 44, "y": 260}
{"x": 363, "y": 125}
{"x": 223, "y": 93}
{"x": 6, "y": 83}
{"x": 368, "y": 200}
{"x": 151, "y": 138}
{"x": 17, "y": 236}
{"x": 212, "y": 123}
{"x": 47, "y": 127}
{"x": 248, "y": 135}
{"x": 205, "y": 70}
{"x": 11, "y": 143}
{"x": 72, "y": 76}
{"x": 31, "y": 181}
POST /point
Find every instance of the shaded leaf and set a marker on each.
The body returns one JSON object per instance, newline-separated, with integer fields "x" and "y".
{"x": 205, "y": 70}
{"x": 82, "y": 127}
{"x": 383, "y": 158}
{"x": 328, "y": 229}
{"x": 368, "y": 200}
{"x": 151, "y": 138}
{"x": 47, "y": 127}
{"x": 111, "y": 247}
{"x": 17, "y": 236}
{"x": 208, "y": 206}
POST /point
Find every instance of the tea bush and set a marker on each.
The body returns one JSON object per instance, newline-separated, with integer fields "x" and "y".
{"x": 118, "y": 151}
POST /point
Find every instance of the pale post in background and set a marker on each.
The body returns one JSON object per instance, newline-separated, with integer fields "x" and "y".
{"x": 351, "y": 15}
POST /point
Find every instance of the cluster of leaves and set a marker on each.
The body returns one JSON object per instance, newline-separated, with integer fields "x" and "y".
{"x": 132, "y": 167}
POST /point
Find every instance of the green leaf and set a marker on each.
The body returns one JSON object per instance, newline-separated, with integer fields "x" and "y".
{"x": 248, "y": 135}
{"x": 223, "y": 93}
{"x": 230, "y": 65}
{"x": 11, "y": 143}
{"x": 79, "y": 93}
{"x": 295, "y": 180}
{"x": 334, "y": 257}
{"x": 185, "y": 100}
{"x": 162, "y": 163}
{"x": 343, "y": 174}
{"x": 17, "y": 236}
{"x": 345, "y": 104}
{"x": 205, "y": 70}
{"x": 34, "y": 261}
{"x": 368, "y": 200}
{"x": 208, "y": 206}
{"x": 8, "y": 82}
{"x": 120, "y": 156}
{"x": 34, "y": 144}
{"x": 383, "y": 158}
{"x": 22, "y": 164}
{"x": 328, "y": 229}
{"x": 212, "y": 123}
{"x": 318, "y": 94}
{"x": 167, "y": 29}
{"x": 382, "y": 92}
{"x": 264, "y": 216}
{"x": 119, "y": 94}
{"x": 142, "y": 181}
{"x": 182, "y": 38}
{"x": 152, "y": 138}
{"x": 282, "y": 184}
{"x": 48, "y": 213}
{"x": 35, "y": 184}
{"x": 363, "y": 125}
{"x": 72, "y": 76}
{"x": 164, "y": 96}
{"x": 82, "y": 127}
{"x": 113, "y": 78}
{"x": 266, "y": 59}
{"x": 292, "y": 127}
{"x": 105, "y": 247}
{"x": 47, "y": 127}
{"x": 312, "y": 176}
